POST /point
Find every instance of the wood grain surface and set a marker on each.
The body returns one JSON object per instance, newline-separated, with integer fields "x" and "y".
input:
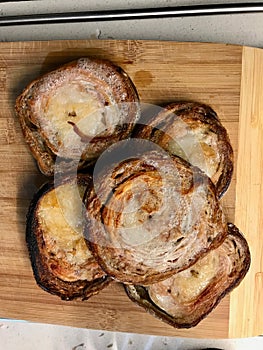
{"x": 247, "y": 300}
{"x": 162, "y": 72}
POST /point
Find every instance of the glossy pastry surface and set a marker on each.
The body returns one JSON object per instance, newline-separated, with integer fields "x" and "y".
{"x": 152, "y": 216}
{"x": 61, "y": 261}
{"x": 77, "y": 111}
{"x": 194, "y": 132}
{"x": 184, "y": 299}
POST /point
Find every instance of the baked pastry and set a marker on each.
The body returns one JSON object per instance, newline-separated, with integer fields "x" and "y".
{"x": 75, "y": 112}
{"x": 151, "y": 216}
{"x": 187, "y": 297}
{"x": 61, "y": 261}
{"x": 194, "y": 132}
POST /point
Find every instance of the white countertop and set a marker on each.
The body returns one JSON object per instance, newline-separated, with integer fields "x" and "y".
{"x": 235, "y": 29}
{"x": 26, "y": 336}
{"x": 242, "y": 29}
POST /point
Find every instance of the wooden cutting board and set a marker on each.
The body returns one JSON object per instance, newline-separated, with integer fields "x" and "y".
{"x": 229, "y": 79}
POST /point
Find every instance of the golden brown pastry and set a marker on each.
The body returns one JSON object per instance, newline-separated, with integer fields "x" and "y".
{"x": 193, "y": 131}
{"x": 61, "y": 261}
{"x": 187, "y": 297}
{"x": 151, "y": 216}
{"x": 75, "y": 112}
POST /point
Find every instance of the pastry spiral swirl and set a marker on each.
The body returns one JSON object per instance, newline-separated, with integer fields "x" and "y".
{"x": 151, "y": 216}
{"x": 76, "y": 112}
{"x": 194, "y": 132}
{"x": 187, "y": 297}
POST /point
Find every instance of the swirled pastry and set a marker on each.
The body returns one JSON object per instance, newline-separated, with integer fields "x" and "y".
{"x": 152, "y": 216}
{"x": 193, "y": 131}
{"x": 61, "y": 261}
{"x": 75, "y": 112}
{"x": 187, "y": 297}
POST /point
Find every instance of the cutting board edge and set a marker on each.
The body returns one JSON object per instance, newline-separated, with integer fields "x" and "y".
{"x": 249, "y": 190}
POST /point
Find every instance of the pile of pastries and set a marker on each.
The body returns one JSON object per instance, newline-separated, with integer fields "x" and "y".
{"x": 133, "y": 195}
